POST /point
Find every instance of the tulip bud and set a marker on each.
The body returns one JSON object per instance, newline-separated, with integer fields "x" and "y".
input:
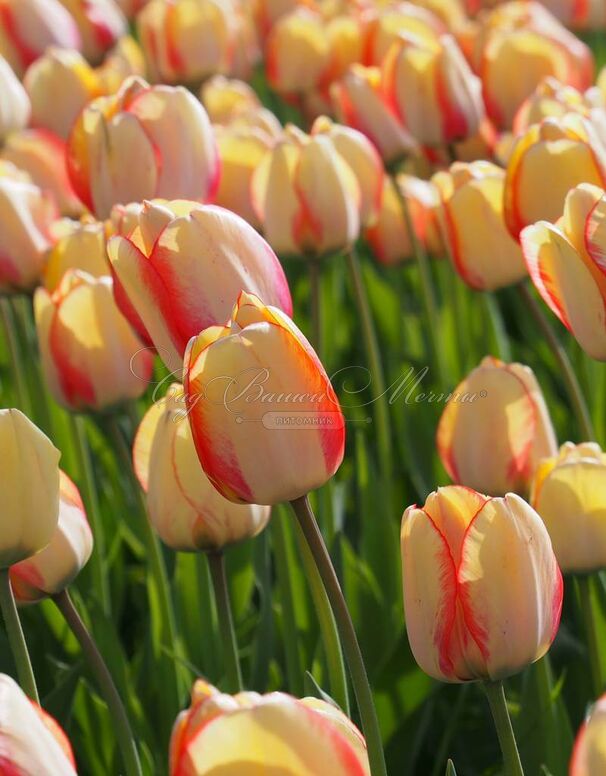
{"x": 273, "y": 733}
{"x": 183, "y": 266}
{"x": 52, "y": 570}
{"x": 26, "y": 216}
{"x": 91, "y": 358}
{"x": 565, "y": 262}
{"x": 495, "y": 429}
{"x": 587, "y": 15}
{"x": 358, "y": 102}
{"x": 389, "y": 237}
{"x": 551, "y": 99}
{"x": 224, "y": 98}
{"x": 29, "y": 27}
{"x": 549, "y": 160}
{"x": 31, "y": 741}
{"x": 29, "y": 483}
{"x": 265, "y": 419}
{"x": 187, "y": 41}
{"x": 385, "y": 26}
{"x": 79, "y": 245}
{"x": 306, "y": 196}
{"x": 42, "y": 155}
{"x": 482, "y": 587}
{"x": 100, "y": 22}
{"x": 15, "y": 107}
{"x": 589, "y": 753}
{"x": 125, "y": 59}
{"x": 142, "y": 142}
{"x": 525, "y": 39}
{"x": 432, "y": 89}
{"x": 186, "y": 511}
{"x": 471, "y": 221}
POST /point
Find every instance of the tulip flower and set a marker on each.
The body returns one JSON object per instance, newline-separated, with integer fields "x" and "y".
{"x": 183, "y": 266}
{"x": 29, "y": 482}
{"x": 306, "y": 196}
{"x": 265, "y": 419}
{"x": 31, "y": 741}
{"x": 15, "y": 108}
{"x": 589, "y": 753}
{"x": 224, "y": 98}
{"x": 187, "y": 41}
{"x": 525, "y": 39}
{"x": 547, "y": 161}
{"x": 100, "y": 22}
{"x": 275, "y": 733}
{"x": 123, "y": 60}
{"x": 551, "y": 99}
{"x": 568, "y": 492}
{"x": 42, "y": 155}
{"x": 78, "y": 245}
{"x": 433, "y": 90}
{"x": 565, "y": 262}
{"x": 389, "y": 237}
{"x": 587, "y": 15}
{"x": 91, "y": 358}
{"x": 52, "y": 570}
{"x": 385, "y": 26}
{"x": 142, "y": 142}
{"x": 131, "y": 7}
{"x": 471, "y": 220}
{"x": 184, "y": 508}
{"x": 29, "y": 27}
{"x": 358, "y": 102}
{"x": 26, "y": 217}
{"x": 495, "y": 429}
{"x": 59, "y": 84}
{"x": 482, "y": 587}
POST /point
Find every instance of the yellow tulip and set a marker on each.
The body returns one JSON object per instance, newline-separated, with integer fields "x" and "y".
{"x": 551, "y": 99}
{"x": 385, "y": 26}
{"x": 79, "y": 245}
{"x": 224, "y": 98}
{"x": 15, "y": 108}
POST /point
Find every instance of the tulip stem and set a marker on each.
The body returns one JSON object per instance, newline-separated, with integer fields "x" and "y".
{"x": 14, "y": 352}
{"x": 428, "y": 292}
{"x": 373, "y": 354}
{"x": 16, "y": 639}
{"x": 231, "y": 661}
{"x": 593, "y": 641}
{"x": 498, "y": 706}
{"x": 315, "y": 286}
{"x": 573, "y": 388}
{"x": 349, "y": 640}
{"x": 121, "y": 723}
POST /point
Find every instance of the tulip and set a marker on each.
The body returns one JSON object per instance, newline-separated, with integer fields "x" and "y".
{"x": 432, "y": 89}
{"x": 358, "y": 102}
{"x": 565, "y": 263}
{"x": 26, "y": 216}
{"x": 59, "y": 84}
{"x": 29, "y": 27}
{"x": 15, "y": 108}
{"x": 125, "y": 59}
{"x": 482, "y": 587}
{"x": 42, "y": 155}
{"x": 183, "y": 266}
{"x": 551, "y": 99}
{"x": 389, "y": 237}
{"x": 346, "y": 46}
{"x": 142, "y": 142}
{"x": 524, "y": 38}
{"x": 450, "y": 12}
{"x": 471, "y": 221}
{"x": 131, "y": 7}
{"x": 100, "y": 22}
{"x": 265, "y": 420}
{"x": 224, "y": 98}
{"x": 91, "y": 358}
{"x": 306, "y": 196}
{"x": 268, "y": 12}
{"x": 363, "y": 159}
{"x": 586, "y": 15}
{"x": 589, "y": 753}
{"x": 547, "y": 161}
{"x": 275, "y": 733}
{"x": 495, "y": 429}
{"x": 29, "y": 482}
{"x": 385, "y": 26}
{"x": 79, "y": 245}
{"x": 256, "y": 119}
{"x": 184, "y": 508}
{"x": 31, "y": 741}
{"x": 52, "y": 570}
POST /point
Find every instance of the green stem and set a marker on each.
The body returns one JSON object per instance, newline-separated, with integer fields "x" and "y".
{"x": 373, "y": 354}
{"x": 106, "y": 684}
{"x": 16, "y": 639}
{"x": 593, "y": 641}
{"x": 571, "y": 382}
{"x": 497, "y": 325}
{"x": 315, "y": 286}
{"x": 427, "y": 288}
{"x": 498, "y": 706}
{"x": 14, "y": 351}
{"x": 216, "y": 563}
{"x": 349, "y": 640}
{"x": 91, "y": 502}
